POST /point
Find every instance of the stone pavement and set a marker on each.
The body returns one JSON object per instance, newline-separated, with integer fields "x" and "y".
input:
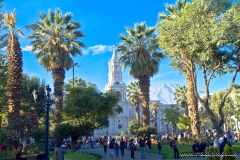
{"x": 127, "y": 154}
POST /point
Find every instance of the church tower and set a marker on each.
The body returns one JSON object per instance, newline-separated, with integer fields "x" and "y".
{"x": 115, "y": 77}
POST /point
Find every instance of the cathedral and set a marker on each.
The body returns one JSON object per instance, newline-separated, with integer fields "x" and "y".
{"x": 120, "y": 121}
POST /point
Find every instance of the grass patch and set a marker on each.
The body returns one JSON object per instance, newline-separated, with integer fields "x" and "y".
{"x": 167, "y": 151}
{"x": 80, "y": 156}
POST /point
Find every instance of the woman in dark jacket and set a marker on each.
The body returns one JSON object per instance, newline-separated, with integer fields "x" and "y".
{"x": 122, "y": 145}
{"x": 149, "y": 146}
{"x": 111, "y": 147}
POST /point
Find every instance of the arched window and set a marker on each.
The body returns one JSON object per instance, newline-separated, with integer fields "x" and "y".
{"x": 119, "y": 94}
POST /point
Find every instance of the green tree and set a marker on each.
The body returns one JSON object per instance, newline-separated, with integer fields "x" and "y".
{"x": 28, "y": 105}
{"x": 3, "y": 89}
{"x": 228, "y": 109}
{"x": 133, "y": 94}
{"x": 181, "y": 98}
{"x": 171, "y": 116}
{"x": 155, "y": 107}
{"x": 55, "y": 40}
{"x": 184, "y": 123}
{"x": 195, "y": 41}
{"x": 175, "y": 13}
{"x": 140, "y": 51}
{"x": 14, "y": 75}
{"x": 133, "y": 126}
{"x": 85, "y": 105}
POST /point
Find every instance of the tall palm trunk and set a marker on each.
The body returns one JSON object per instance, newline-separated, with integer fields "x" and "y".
{"x": 58, "y": 76}
{"x": 136, "y": 105}
{"x": 144, "y": 84}
{"x": 14, "y": 83}
{"x": 193, "y": 105}
{"x": 186, "y": 110}
{"x": 155, "y": 117}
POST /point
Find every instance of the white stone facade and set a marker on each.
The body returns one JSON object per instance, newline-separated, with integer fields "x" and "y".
{"x": 116, "y": 84}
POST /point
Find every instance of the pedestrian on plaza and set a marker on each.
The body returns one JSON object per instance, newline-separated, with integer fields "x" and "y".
{"x": 122, "y": 146}
{"x": 63, "y": 151}
{"x": 132, "y": 148}
{"x": 159, "y": 147}
{"x": 105, "y": 144}
{"x": 57, "y": 155}
{"x": 41, "y": 156}
{"x": 116, "y": 148}
{"x": 203, "y": 146}
{"x": 142, "y": 147}
{"x": 19, "y": 153}
{"x": 111, "y": 147}
{"x": 175, "y": 148}
{"x": 149, "y": 146}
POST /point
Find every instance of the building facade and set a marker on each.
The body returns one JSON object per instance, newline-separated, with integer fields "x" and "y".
{"x": 120, "y": 121}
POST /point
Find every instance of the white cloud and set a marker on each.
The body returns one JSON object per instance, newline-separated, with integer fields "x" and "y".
{"x": 99, "y": 49}
{"x": 27, "y": 48}
{"x": 94, "y": 50}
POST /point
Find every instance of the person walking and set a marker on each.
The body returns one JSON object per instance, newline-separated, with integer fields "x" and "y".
{"x": 132, "y": 148}
{"x": 142, "y": 147}
{"x": 116, "y": 148}
{"x": 57, "y": 153}
{"x": 149, "y": 146}
{"x": 175, "y": 148}
{"x": 111, "y": 147}
{"x": 122, "y": 145}
{"x": 63, "y": 151}
{"x": 105, "y": 144}
{"x": 159, "y": 147}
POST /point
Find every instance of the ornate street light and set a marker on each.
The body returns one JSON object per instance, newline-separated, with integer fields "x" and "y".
{"x": 47, "y": 102}
{"x": 119, "y": 125}
{"x": 75, "y": 65}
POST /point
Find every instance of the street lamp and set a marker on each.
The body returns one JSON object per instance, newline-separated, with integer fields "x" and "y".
{"x": 119, "y": 125}
{"x": 47, "y": 102}
{"x": 75, "y": 65}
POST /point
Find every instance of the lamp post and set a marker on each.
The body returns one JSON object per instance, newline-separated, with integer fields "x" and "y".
{"x": 47, "y": 102}
{"x": 75, "y": 65}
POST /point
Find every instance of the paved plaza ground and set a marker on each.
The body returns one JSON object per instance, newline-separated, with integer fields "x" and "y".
{"x": 127, "y": 156}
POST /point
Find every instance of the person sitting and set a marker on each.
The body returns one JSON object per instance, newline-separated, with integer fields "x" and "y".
{"x": 203, "y": 145}
{"x": 210, "y": 143}
{"x": 41, "y": 156}
{"x": 196, "y": 148}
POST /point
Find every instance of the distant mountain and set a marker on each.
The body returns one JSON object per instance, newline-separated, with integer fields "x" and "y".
{"x": 164, "y": 92}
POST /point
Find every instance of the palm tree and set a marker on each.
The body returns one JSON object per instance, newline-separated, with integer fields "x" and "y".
{"x": 174, "y": 13}
{"x": 139, "y": 51}
{"x": 55, "y": 39}
{"x": 133, "y": 94}
{"x": 174, "y": 10}
{"x": 181, "y": 98}
{"x": 14, "y": 75}
{"x": 155, "y": 107}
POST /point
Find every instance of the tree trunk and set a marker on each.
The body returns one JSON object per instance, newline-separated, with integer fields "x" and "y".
{"x": 74, "y": 143}
{"x": 144, "y": 84}
{"x": 58, "y": 76}
{"x": 14, "y": 80}
{"x": 0, "y": 123}
{"x": 155, "y": 118}
{"x": 82, "y": 146}
{"x": 137, "y": 112}
{"x": 193, "y": 106}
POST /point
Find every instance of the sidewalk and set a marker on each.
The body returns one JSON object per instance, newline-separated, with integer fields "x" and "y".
{"x": 127, "y": 154}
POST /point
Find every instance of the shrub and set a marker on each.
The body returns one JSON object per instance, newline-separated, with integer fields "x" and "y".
{"x": 229, "y": 152}
{"x": 211, "y": 153}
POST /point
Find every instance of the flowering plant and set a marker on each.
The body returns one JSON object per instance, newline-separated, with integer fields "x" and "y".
{"x": 25, "y": 124}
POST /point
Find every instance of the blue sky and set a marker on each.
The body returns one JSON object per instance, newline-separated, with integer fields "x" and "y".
{"x": 102, "y": 21}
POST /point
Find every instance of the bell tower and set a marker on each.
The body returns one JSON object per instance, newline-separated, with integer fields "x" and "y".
{"x": 115, "y": 76}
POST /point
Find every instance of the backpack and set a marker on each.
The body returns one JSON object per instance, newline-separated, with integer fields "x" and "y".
{"x": 171, "y": 144}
